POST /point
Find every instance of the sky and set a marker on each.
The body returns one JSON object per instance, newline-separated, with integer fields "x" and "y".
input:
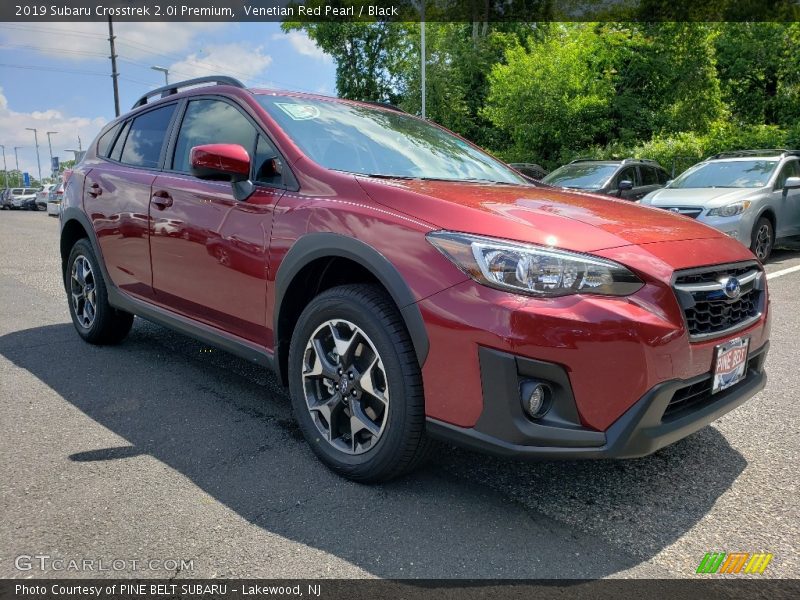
{"x": 56, "y": 76}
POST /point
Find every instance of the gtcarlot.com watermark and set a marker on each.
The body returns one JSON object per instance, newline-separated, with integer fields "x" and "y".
{"x": 45, "y": 562}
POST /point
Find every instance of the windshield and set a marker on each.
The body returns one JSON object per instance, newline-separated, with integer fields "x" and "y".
{"x": 729, "y": 174}
{"x": 380, "y": 143}
{"x": 583, "y": 176}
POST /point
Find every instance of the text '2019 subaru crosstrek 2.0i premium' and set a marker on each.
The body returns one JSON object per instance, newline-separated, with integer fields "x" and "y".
{"x": 405, "y": 285}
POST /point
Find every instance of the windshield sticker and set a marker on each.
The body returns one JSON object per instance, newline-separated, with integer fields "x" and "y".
{"x": 299, "y": 112}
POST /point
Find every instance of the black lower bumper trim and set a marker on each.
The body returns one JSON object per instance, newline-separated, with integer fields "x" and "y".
{"x": 640, "y": 431}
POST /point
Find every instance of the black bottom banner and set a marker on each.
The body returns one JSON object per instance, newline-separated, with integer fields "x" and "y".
{"x": 368, "y": 589}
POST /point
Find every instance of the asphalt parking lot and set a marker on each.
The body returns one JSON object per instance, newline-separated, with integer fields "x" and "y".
{"x": 159, "y": 449}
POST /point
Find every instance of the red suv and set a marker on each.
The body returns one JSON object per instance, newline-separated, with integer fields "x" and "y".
{"x": 405, "y": 285}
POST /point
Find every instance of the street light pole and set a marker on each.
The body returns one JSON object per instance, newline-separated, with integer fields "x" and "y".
{"x": 50, "y": 147}
{"x": 16, "y": 158}
{"x": 164, "y": 70}
{"x": 36, "y": 141}
{"x": 5, "y": 168}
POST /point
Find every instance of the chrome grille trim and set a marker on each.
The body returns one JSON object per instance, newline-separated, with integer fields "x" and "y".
{"x": 707, "y": 312}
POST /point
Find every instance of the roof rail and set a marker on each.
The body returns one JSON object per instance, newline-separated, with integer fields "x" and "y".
{"x": 587, "y": 159}
{"x": 173, "y": 88}
{"x": 761, "y": 152}
{"x": 649, "y": 161}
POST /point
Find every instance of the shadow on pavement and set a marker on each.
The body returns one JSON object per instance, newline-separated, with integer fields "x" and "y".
{"x": 226, "y": 426}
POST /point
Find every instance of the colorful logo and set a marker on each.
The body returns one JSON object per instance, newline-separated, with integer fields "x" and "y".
{"x": 734, "y": 562}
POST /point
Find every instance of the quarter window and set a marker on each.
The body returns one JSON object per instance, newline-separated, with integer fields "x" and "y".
{"x": 104, "y": 143}
{"x": 146, "y": 138}
{"x": 211, "y": 122}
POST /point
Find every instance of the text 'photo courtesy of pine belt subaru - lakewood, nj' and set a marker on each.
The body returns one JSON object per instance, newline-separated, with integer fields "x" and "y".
{"x": 405, "y": 285}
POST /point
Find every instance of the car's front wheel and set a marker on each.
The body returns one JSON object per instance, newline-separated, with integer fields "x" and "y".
{"x": 94, "y": 318}
{"x": 356, "y": 385}
{"x": 763, "y": 239}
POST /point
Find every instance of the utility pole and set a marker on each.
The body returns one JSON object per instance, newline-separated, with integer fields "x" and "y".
{"x": 5, "y": 168}
{"x": 113, "y": 57}
{"x": 50, "y": 147}
{"x": 80, "y": 148}
{"x": 36, "y": 140}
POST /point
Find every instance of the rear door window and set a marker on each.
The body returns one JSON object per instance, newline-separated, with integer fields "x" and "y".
{"x": 146, "y": 138}
{"x": 116, "y": 153}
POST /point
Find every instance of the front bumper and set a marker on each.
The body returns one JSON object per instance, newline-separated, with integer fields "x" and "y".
{"x": 657, "y": 419}
{"x": 739, "y": 227}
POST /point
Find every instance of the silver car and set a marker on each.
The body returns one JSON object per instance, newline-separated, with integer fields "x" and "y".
{"x": 751, "y": 195}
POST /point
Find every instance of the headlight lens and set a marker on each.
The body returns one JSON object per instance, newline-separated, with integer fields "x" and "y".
{"x": 730, "y": 210}
{"x": 533, "y": 270}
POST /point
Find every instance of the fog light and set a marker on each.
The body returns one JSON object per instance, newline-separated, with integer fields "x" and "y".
{"x": 535, "y": 399}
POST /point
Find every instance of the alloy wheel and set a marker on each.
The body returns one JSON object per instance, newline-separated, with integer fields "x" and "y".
{"x": 83, "y": 292}
{"x": 345, "y": 386}
{"x": 763, "y": 241}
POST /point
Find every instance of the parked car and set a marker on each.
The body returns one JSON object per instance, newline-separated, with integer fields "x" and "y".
{"x": 630, "y": 179}
{"x": 751, "y": 195}
{"x": 43, "y": 195}
{"x": 5, "y": 199}
{"x": 531, "y": 170}
{"x": 404, "y": 284}
{"x": 54, "y": 198}
{"x": 23, "y": 198}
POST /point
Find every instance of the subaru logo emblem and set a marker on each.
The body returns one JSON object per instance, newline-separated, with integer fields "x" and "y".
{"x": 731, "y": 287}
{"x": 677, "y": 210}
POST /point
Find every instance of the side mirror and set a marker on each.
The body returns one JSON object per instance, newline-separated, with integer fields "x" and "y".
{"x": 220, "y": 162}
{"x": 625, "y": 185}
{"x": 791, "y": 183}
{"x": 223, "y": 162}
{"x": 668, "y": 182}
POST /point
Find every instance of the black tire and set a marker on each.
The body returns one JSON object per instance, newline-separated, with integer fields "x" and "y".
{"x": 762, "y": 240}
{"x": 402, "y": 444}
{"x": 108, "y": 325}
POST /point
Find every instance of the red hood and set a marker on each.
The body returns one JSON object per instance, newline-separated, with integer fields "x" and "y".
{"x": 571, "y": 220}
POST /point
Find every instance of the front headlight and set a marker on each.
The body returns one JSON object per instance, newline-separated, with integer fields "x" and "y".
{"x": 730, "y": 210}
{"x": 534, "y": 270}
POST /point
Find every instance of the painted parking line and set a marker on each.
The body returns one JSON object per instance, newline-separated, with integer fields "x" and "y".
{"x": 783, "y": 272}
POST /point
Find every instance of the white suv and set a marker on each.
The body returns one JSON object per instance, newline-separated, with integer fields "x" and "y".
{"x": 751, "y": 195}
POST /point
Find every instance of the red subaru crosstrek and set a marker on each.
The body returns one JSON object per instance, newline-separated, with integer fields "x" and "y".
{"x": 404, "y": 284}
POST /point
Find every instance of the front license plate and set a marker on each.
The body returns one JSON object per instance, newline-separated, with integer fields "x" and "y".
{"x": 730, "y": 363}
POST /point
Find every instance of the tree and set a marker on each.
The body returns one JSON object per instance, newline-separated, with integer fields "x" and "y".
{"x": 551, "y": 99}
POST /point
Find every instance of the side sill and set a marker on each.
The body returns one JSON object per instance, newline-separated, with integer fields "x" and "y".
{"x": 199, "y": 331}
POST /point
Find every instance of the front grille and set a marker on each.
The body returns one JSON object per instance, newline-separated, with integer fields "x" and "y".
{"x": 686, "y": 211}
{"x": 708, "y": 310}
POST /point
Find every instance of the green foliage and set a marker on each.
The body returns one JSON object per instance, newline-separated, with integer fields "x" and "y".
{"x": 551, "y": 97}
{"x": 548, "y": 92}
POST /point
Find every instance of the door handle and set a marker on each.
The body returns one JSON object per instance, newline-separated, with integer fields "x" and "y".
{"x": 161, "y": 200}
{"x": 95, "y": 190}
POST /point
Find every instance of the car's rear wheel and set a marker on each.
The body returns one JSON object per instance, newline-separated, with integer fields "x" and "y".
{"x": 94, "y": 318}
{"x": 763, "y": 239}
{"x": 356, "y": 385}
